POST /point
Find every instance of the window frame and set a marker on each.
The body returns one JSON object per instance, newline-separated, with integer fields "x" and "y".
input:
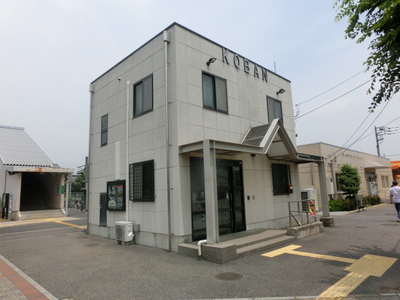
{"x": 278, "y": 177}
{"x": 219, "y": 93}
{"x": 277, "y": 104}
{"x": 146, "y": 85}
{"x": 141, "y": 174}
{"x": 104, "y": 130}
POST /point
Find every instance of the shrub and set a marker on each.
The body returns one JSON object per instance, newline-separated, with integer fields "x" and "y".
{"x": 336, "y": 205}
{"x": 372, "y": 200}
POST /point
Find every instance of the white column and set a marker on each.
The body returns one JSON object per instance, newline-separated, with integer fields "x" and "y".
{"x": 210, "y": 185}
{"x": 323, "y": 189}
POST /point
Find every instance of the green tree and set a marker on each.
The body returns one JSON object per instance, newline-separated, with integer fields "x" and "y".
{"x": 349, "y": 180}
{"x": 379, "y": 22}
{"x": 79, "y": 182}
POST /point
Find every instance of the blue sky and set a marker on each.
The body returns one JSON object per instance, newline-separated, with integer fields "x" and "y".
{"x": 52, "y": 49}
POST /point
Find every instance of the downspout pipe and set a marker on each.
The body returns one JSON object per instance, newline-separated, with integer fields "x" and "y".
{"x": 166, "y": 37}
{"x": 127, "y": 153}
{"x": 87, "y": 162}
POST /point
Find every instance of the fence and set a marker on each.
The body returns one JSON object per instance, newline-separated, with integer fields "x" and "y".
{"x": 302, "y": 208}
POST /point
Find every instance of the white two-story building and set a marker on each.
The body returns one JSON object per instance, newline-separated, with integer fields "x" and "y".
{"x": 190, "y": 140}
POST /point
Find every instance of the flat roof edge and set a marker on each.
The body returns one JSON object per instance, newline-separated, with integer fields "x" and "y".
{"x": 179, "y": 25}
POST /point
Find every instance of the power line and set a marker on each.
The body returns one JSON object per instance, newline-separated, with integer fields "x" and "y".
{"x": 331, "y": 88}
{"x": 348, "y": 147}
{"x": 383, "y": 126}
{"x": 333, "y": 100}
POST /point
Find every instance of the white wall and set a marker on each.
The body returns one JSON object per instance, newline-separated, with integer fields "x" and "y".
{"x": 189, "y": 122}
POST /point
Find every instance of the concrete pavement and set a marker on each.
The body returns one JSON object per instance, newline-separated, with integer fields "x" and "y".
{"x": 72, "y": 265}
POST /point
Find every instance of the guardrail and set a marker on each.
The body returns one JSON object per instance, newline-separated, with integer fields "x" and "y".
{"x": 303, "y": 208}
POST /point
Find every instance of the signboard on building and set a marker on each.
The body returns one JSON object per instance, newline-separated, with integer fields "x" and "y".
{"x": 116, "y": 195}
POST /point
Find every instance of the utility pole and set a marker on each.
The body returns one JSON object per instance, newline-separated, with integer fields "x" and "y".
{"x": 380, "y": 132}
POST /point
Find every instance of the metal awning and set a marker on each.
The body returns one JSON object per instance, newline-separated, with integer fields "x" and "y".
{"x": 270, "y": 139}
{"x": 16, "y": 169}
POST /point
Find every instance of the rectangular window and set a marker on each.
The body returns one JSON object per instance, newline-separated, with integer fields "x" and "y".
{"x": 104, "y": 130}
{"x": 143, "y": 96}
{"x": 141, "y": 181}
{"x": 274, "y": 109}
{"x": 281, "y": 179}
{"x": 214, "y": 93}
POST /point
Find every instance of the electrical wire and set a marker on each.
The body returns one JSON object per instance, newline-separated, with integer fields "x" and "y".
{"x": 333, "y": 100}
{"x": 383, "y": 126}
{"x": 348, "y": 146}
{"x": 331, "y": 88}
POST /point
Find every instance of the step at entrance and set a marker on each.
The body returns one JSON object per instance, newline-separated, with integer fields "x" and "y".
{"x": 238, "y": 245}
{"x": 40, "y": 214}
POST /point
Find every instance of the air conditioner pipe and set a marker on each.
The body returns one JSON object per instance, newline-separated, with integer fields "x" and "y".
{"x": 202, "y": 242}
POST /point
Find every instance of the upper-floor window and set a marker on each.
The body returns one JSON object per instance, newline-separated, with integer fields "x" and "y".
{"x": 281, "y": 179}
{"x": 143, "y": 96}
{"x": 214, "y": 93}
{"x": 104, "y": 130}
{"x": 141, "y": 181}
{"x": 274, "y": 109}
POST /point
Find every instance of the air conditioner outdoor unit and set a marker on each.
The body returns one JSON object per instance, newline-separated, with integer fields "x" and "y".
{"x": 307, "y": 194}
{"x": 123, "y": 232}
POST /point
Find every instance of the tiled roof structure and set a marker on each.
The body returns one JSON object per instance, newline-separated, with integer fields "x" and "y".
{"x": 17, "y": 148}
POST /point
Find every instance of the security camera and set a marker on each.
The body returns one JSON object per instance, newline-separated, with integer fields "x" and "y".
{"x": 119, "y": 78}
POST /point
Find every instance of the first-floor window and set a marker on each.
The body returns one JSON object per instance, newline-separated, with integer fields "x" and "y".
{"x": 281, "y": 179}
{"x": 141, "y": 181}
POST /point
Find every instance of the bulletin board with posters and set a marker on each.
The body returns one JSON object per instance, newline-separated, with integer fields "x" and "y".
{"x": 116, "y": 195}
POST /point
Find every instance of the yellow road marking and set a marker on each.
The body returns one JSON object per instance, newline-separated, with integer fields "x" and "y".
{"x": 343, "y": 287}
{"x": 361, "y": 269}
{"x": 290, "y": 250}
{"x": 372, "y": 265}
{"x": 70, "y": 224}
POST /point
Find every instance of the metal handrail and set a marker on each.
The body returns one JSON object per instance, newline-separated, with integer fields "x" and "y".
{"x": 301, "y": 211}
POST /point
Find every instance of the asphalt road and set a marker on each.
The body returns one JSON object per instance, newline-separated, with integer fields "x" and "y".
{"x": 69, "y": 263}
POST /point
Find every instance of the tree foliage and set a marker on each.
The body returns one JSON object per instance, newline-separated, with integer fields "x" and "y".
{"x": 79, "y": 182}
{"x": 379, "y": 22}
{"x": 349, "y": 180}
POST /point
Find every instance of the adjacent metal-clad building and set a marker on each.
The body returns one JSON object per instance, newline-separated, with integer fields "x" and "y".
{"x": 29, "y": 178}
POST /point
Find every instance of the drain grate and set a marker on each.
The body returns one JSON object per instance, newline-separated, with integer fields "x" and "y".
{"x": 229, "y": 276}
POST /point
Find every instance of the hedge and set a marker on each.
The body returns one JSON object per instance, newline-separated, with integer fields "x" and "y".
{"x": 350, "y": 203}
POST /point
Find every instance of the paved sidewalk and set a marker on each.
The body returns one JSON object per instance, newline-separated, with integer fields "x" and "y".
{"x": 16, "y": 285}
{"x": 162, "y": 274}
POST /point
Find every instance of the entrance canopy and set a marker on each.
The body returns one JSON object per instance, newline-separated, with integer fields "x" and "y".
{"x": 269, "y": 139}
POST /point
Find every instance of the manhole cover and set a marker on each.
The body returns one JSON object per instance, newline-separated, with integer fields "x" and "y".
{"x": 91, "y": 245}
{"x": 229, "y": 276}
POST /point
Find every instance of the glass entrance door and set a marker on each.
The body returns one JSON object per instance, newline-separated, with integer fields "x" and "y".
{"x": 230, "y": 198}
{"x": 231, "y": 214}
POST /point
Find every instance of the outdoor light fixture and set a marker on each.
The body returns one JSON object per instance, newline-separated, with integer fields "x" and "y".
{"x": 281, "y": 91}
{"x": 211, "y": 60}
